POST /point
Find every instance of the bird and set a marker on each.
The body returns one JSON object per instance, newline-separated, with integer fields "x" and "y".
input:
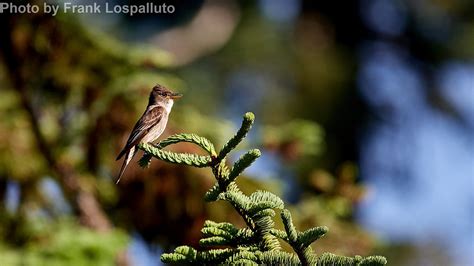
{"x": 150, "y": 125}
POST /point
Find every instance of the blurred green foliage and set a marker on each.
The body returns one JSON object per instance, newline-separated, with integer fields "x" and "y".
{"x": 64, "y": 242}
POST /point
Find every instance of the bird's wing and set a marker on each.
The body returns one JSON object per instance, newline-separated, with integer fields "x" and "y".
{"x": 149, "y": 119}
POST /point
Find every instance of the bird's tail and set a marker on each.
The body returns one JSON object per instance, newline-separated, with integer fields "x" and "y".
{"x": 126, "y": 161}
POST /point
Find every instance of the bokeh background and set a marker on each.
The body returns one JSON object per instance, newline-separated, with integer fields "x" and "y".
{"x": 365, "y": 116}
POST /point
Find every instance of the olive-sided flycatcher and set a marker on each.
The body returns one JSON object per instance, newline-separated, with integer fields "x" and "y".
{"x": 151, "y": 125}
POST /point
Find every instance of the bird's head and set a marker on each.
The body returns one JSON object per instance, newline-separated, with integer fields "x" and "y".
{"x": 160, "y": 93}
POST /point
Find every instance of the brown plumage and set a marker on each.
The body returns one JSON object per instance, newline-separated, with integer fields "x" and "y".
{"x": 150, "y": 125}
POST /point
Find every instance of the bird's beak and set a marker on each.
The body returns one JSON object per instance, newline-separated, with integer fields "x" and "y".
{"x": 176, "y": 95}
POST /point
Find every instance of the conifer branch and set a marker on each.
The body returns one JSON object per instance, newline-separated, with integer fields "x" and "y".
{"x": 258, "y": 243}
{"x": 173, "y": 157}
{"x": 242, "y": 163}
{"x": 239, "y": 136}
{"x": 212, "y": 194}
{"x": 331, "y": 259}
{"x": 309, "y": 236}
{"x": 204, "y": 143}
